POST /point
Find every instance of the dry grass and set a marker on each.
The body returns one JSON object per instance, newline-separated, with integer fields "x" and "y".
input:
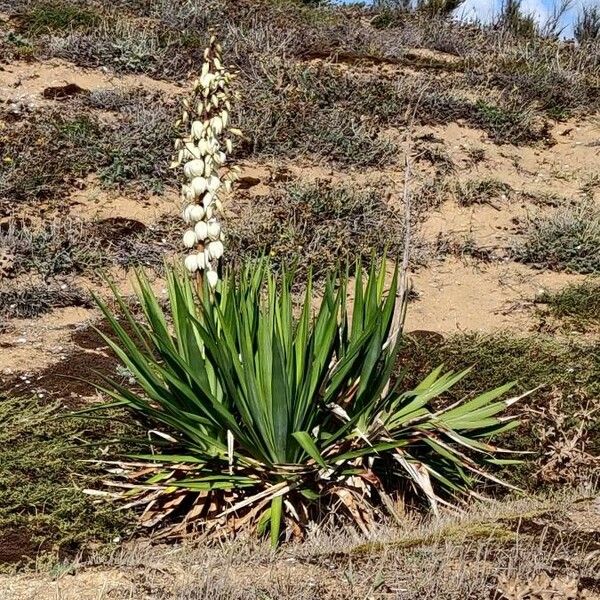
{"x": 452, "y": 558}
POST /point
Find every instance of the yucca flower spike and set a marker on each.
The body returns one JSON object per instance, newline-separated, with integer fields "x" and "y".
{"x": 202, "y": 153}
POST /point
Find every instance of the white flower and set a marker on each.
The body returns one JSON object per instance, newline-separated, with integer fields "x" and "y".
{"x": 206, "y": 80}
{"x": 203, "y": 147}
{"x": 214, "y": 229}
{"x": 215, "y": 249}
{"x": 212, "y": 278}
{"x": 194, "y": 168}
{"x": 201, "y": 230}
{"x": 198, "y": 185}
{"x": 197, "y": 129}
{"x": 191, "y": 263}
{"x": 201, "y": 260}
{"x": 217, "y": 125}
{"x": 196, "y": 212}
{"x": 214, "y": 183}
{"x": 189, "y": 239}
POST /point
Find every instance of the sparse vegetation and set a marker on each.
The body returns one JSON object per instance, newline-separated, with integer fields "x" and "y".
{"x": 51, "y": 17}
{"x": 21, "y": 302}
{"x": 317, "y": 226}
{"x": 58, "y": 248}
{"x": 567, "y": 239}
{"x": 43, "y": 155}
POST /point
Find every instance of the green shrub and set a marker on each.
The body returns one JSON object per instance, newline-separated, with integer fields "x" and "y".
{"x": 263, "y": 419}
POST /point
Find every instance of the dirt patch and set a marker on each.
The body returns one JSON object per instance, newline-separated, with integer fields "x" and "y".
{"x": 94, "y": 202}
{"x": 25, "y": 82}
{"x": 459, "y": 295}
{"x": 16, "y": 545}
{"x": 72, "y": 379}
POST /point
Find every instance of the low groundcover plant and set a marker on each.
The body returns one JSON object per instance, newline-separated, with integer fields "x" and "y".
{"x": 269, "y": 416}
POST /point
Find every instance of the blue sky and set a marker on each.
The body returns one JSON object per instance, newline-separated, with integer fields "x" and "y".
{"x": 541, "y": 9}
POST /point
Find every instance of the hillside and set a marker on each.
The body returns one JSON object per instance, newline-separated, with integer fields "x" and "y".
{"x": 501, "y": 135}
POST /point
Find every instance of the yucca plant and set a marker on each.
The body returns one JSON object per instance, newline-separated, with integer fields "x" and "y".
{"x": 267, "y": 414}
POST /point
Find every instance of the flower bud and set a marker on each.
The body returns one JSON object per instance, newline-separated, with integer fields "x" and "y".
{"x": 215, "y": 249}
{"x": 196, "y": 212}
{"x": 189, "y": 239}
{"x": 212, "y": 278}
{"x": 214, "y": 229}
{"x": 198, "y": 186}
{"x": 201, "y": 230}
{"x": 191, "y": 263}
{"x": 194, "y": 168}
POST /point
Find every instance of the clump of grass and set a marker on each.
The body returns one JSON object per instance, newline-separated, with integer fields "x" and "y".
{"x": 569, "y": 373}
{"x": 34, "y": 300}
{"x": 578, "y": 302}
{"x": 319, "y": 225}
{"x": 508, "y": 122}
{"x": 567, "y": 239}
{"x": 43, "y": 509}
{"x": 481, "y": 191}
{"x": 59, "y": 247}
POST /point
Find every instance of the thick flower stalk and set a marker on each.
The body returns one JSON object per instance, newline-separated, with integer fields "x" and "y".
{"x": 203, "y": 153}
